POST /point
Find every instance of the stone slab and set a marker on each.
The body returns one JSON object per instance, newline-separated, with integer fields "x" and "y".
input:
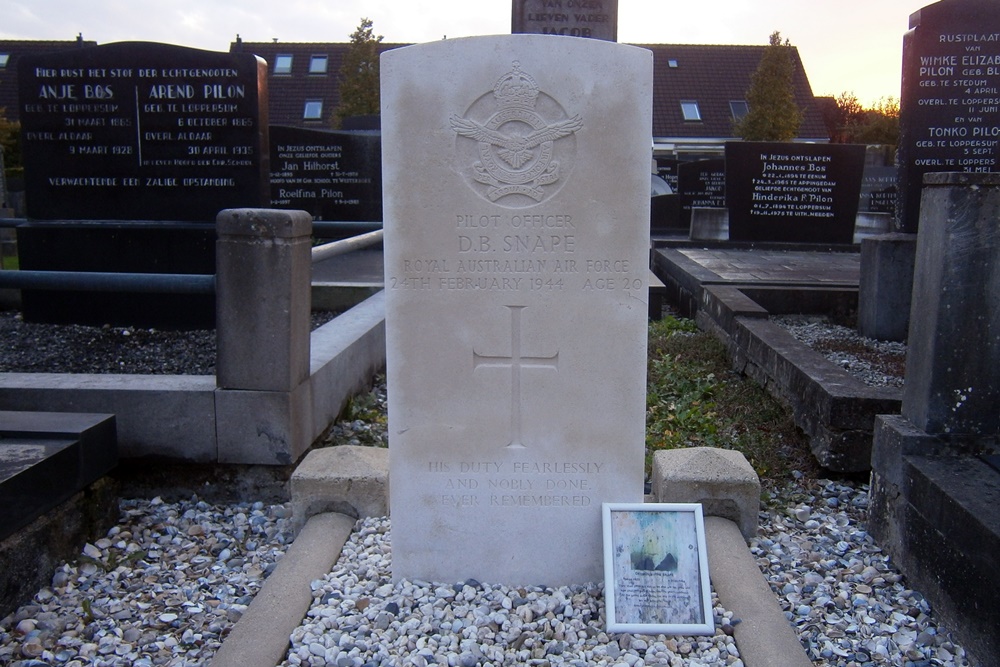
{"x": 35, "y": 476}
{"x": 168, "y": 416}
{"x": 721, "y": 480}
{"x": 512, "y": 417}
{"x": 349, "y": 479}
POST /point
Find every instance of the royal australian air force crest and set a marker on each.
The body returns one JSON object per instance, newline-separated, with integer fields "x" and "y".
{"x": 517, "y": 141}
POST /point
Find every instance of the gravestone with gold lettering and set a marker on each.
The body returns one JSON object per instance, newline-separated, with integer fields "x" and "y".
{"x": 516, "y": 301}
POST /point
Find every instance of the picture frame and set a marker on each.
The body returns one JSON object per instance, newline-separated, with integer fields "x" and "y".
{"x": 656, "y": 569}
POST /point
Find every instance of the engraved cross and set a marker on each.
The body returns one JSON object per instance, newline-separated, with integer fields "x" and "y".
{"x": 516, "y": 361}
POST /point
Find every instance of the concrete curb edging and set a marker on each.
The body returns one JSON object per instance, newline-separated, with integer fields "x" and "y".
{"x": 764, "y": 636}
{"x": 261, "y": 637}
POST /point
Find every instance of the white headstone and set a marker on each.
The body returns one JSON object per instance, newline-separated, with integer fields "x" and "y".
{"x": 516, "y": 181}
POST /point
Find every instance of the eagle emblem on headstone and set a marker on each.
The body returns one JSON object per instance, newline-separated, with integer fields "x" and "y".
{"x": 516, "y": 142}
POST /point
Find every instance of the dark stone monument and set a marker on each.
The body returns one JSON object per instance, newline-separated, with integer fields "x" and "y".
{"x": 950, "y": 102}
{"x": 878, "y": 181}
{"x": 331, "y": 175}
{"x": 701, "y": 184}
{"x": 787, "y": 192}
{"x": 147, "y": 142}
{"x": 596, "y": 19}
{"x": 668, "y": 169}
{"x": 934, "y": 496}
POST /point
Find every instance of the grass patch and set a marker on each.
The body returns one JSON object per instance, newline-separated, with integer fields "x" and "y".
{"x": 695, "y": 399}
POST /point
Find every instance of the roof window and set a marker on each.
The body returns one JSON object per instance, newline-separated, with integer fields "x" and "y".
{"x": 4, "y": 58}
{"x": 313, "y": 110}
{"x": 672, "y": 62}
{"x": 738, "y": 108}
{"x": 283, "y": 64}
{"x": 317, "y": 65}
{"x": 690, "y": 110}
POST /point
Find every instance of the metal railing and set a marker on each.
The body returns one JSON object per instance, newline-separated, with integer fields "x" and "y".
{"x": 165, "y": 283}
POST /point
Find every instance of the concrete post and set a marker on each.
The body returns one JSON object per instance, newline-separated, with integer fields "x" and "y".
{"x": 263, "y": 268}
{"x": 886, "y": 285}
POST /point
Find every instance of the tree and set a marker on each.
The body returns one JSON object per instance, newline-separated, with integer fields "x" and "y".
{"x": 772, "y": 114}
{"x": 10, "y": 144}
{"x": 855, "y": 124}
{"x": 359, "y": 82}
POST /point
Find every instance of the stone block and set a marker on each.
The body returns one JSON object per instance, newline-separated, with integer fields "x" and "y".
{"x": 348, "y": 479}
{"x": 722, "y": 480}
{"x": 886, "y": 285}
{"x": 263, "y": 427}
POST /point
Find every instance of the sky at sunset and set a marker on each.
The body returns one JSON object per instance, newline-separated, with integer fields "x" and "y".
{"x": 846, "y": 45}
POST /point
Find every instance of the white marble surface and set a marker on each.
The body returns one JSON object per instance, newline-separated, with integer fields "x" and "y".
{"x": 516, "y": 181}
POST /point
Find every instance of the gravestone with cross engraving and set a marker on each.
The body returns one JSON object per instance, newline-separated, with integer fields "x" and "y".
{"x": 516, "y": 301}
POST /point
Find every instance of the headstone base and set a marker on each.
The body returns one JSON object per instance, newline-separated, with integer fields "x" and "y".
{"x": 886, "y": 285}
{"x": 933, "y": 511}
{"x": 709, "y": 224}
{"x": 118, "y": 248}
{"x": 722, "y": 480}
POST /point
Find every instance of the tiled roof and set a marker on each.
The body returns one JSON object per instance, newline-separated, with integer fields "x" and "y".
{"x": 713, "y": 76}
{"x": 16, "y": 48}
{"x": 289, "y": 92}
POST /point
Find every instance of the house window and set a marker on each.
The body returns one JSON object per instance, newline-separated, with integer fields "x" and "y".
{"x": 4, "y": 57}
{"x": 313, "y": 110}
{"x": 317, "y": 65}
{"x": 690, "y": 111}
{"x": 283, "y": 64}
{"x": 738, "y": 108}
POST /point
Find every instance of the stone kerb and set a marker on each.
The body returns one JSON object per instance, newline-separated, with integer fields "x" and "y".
{"x": 348, "y": 479}
{"x": 722, "y": 480}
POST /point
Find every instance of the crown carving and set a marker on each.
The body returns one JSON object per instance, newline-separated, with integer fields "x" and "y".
{"x": 516, "y": 89}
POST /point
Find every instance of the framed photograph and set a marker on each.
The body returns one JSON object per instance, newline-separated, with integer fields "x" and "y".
{"x": 656, "y": 569}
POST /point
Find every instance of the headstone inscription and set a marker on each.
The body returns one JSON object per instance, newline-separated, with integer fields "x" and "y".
{"x": 787, "y": 192}
{"x": 133, "y": 148}
{"x": 878, "y": 181}
{"x": 332, "y": 175}
{"x": 702, "y": 184}
{"x": 142, "y": 131}
{"x": 596, "y": 19}
{"x": 515, "y": 310}
{"x": 950, "y": 101}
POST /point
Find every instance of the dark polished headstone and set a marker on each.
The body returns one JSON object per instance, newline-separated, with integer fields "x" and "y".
{"x": 47, "y": 457}
{"x": 142, "y": 131}
{"x": 950, "y": 102}
{"x": 701, "y": 184}
{"x": 596, "y": 19}
{"x": 331, "y": 175}
{"x": 788, "y": 192}
{"x": 132, "y": 134}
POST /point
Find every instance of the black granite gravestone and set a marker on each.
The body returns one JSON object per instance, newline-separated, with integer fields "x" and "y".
{"x": 596, "y": 19}
{"x": 142, "y": 131}
{"x": 702, "y": 184}
{"x": 950, "y": 103}
{"x": 667, "y": 169}
{"x": 332, "y": 175}
{"x": 152, "y": 140}
{"x": 787, "y": 192}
